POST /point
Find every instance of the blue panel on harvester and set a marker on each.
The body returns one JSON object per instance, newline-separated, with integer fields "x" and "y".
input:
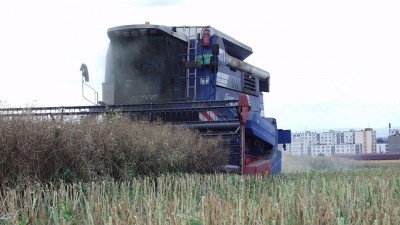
{"x": 262, "y": 128}
{"x": 284, "y": 136}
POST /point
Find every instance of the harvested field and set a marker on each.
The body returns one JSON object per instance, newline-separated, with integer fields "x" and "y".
{"x": 384, "y": 163}
{"x": 360, "y": 196}
{"x": 305, "y": 163}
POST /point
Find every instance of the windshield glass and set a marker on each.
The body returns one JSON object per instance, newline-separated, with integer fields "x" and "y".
{"x": 142, "y": 69}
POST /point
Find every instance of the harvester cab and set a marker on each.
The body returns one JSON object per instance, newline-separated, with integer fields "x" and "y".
{"x": 194, "y": 76}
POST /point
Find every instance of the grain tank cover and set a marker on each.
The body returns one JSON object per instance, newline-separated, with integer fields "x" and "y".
{"x": 138, "y": 29}
{"x": 233, "y": 47}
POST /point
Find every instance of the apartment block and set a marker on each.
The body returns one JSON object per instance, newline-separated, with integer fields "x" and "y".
{"x": 333, "y": 142}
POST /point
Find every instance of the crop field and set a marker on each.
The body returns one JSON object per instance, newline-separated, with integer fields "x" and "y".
{"x": 359, "y": 196}
{"x": 89, "y": 150}
{"x": 124, "y": 172}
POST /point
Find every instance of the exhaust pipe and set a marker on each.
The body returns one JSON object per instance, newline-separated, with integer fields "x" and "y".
{"x": 245, "y": 67}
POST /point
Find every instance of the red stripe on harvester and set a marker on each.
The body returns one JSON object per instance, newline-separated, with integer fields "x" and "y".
{"x": 214, "y": 115}
{"x": 206, "y": 116}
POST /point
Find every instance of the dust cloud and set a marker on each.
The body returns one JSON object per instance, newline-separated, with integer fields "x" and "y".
{"x": 292, "y": 163}
{"x": 138, "y": 70}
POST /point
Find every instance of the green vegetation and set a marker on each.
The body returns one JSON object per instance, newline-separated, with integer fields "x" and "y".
{"x": 361, "y": 196}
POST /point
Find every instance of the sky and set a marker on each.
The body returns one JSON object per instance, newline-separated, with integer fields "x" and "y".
{"x": 333, "y": 64}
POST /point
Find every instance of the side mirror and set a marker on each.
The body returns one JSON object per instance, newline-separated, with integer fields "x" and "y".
{"x": 215, "y": 49}
{"x": 85, "y": 72}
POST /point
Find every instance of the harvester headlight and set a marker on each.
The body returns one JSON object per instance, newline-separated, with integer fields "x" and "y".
{"x": 204, "y": 81}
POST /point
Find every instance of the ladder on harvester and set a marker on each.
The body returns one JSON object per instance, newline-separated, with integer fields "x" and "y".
{"x": 191, "y": 73}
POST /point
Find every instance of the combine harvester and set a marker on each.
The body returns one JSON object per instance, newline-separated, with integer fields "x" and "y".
{"x": 193, "y": 76}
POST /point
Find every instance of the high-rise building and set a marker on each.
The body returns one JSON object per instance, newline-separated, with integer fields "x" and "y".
{"x": 394, "y": 141}
{"x": 333, "y": 142}
{"x": 369, "y": 140}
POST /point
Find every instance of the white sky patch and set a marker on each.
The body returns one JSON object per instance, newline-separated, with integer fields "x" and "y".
{"x": 158, "y": 3}
{"x": 333, "y": 64}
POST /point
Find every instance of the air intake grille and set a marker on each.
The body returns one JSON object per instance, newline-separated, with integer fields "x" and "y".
{"x": 249, "y": 86}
